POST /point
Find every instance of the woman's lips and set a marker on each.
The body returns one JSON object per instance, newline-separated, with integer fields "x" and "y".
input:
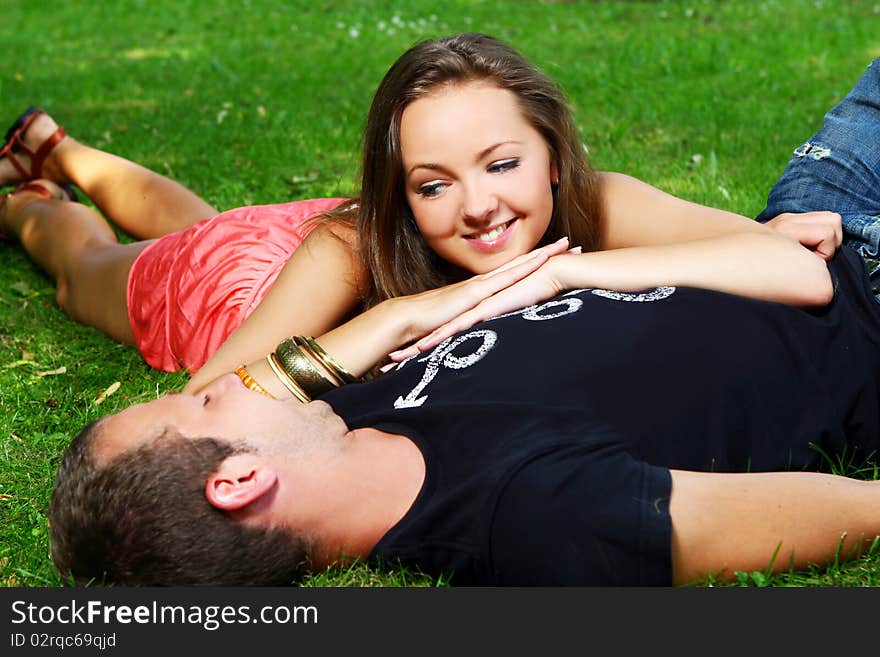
{"x": 496, "y": 241}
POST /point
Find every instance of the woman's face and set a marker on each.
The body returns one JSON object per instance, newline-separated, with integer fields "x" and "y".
{"x": 478, "y": 176}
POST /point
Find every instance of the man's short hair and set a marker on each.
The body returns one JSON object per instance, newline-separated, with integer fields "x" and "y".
{"x": 143, "y": 519}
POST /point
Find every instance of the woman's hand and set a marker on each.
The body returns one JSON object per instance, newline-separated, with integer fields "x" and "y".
{"x": 427, "y": 311}
{"x": 540, "y": 284}
{"x": 820, "y": 232}
{"x": 366, "y": 339}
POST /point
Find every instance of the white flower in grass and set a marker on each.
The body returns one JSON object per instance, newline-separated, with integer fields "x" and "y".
{"x": 223, "y": 112}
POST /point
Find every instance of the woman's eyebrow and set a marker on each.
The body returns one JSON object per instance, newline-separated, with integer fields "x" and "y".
{"x": 482, "y": 154}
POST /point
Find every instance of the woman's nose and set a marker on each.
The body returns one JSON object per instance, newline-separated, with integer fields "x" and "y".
{"x": 479, "y": 204}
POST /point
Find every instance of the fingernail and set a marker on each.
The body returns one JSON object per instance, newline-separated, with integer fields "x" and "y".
{"x": 575, "y": 249}
{"x": 387, "y": 367}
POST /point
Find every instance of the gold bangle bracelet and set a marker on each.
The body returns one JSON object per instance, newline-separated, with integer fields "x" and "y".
{"x": 318, "y": 352}
{"x": 302, "y": 370}
{"x": 288, "y": 383}
{"x": 250, "y": 383}
{"x": 331, "y": 375}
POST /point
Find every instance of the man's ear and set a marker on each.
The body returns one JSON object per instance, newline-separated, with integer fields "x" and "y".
{"x": 241, "y": 479}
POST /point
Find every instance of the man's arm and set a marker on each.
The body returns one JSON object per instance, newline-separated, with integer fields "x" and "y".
{"x": 722, "y": 523}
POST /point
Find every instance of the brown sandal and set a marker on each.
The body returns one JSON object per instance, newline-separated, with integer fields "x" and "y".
{"x": 15, "y": 139}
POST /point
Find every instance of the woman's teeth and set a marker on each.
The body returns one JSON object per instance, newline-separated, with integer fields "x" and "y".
{"x": 493, "y": 234}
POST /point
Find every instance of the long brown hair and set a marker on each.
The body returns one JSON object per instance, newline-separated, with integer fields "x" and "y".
{"x": 393, "y": 252}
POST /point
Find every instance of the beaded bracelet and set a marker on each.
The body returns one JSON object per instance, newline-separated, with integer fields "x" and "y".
{"x": 250, "y": 383}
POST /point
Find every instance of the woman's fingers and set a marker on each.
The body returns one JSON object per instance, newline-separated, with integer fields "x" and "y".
{"x": 401, "y": 355}
{"x": 448, "y": 310}
{"x": 430, "y": 310}
{"x": 530, "y": 290}
{"x": 548, "y": 250}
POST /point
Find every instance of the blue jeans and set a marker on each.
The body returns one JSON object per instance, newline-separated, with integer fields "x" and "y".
{"x": 838, "y": 169}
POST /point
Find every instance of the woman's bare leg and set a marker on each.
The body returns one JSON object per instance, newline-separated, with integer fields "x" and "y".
{"x": 722, "y": 523}
{"x": 141, "y": 202}
{"x": 79, "y": 250}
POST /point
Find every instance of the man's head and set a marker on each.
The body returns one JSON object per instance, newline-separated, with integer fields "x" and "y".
{"x": 175, "y": 491}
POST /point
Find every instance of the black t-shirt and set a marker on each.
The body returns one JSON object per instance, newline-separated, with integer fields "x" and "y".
{"x": 547, "y": 434}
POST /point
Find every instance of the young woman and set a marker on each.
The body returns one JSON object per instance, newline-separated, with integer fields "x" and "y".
{"x": 472, "y": 166}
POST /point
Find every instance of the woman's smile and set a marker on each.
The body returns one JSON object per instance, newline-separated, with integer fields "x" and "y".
{"x": 492, "y": 239}
{"x": 478, "y": 175}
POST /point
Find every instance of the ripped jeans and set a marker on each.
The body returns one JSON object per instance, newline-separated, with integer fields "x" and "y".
{"x": 838, "y": 170}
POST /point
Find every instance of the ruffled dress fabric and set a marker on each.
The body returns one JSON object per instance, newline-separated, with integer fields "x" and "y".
{"x": 188, "y": 291}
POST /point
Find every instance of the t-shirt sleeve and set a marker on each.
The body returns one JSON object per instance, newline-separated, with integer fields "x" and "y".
{"x": 584, "y": 517}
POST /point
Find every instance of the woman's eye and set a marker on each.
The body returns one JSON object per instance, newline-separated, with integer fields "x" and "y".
{"x": 205, "y": 400}
{"x": 504, "y": 165}
{"x": 431, "y": 190}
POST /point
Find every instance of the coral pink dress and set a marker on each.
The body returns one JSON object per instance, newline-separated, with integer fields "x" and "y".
{"x": 188, "y": 291}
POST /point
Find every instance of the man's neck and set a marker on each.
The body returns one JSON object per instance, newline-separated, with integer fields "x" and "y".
{"x": 362, "y": 492}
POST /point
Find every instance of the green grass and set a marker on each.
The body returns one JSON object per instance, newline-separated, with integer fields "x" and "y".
{"x": 259, "y": 101}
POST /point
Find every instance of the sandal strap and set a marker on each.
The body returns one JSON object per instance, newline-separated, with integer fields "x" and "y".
{"x": 39, "y": 157}
{"x": 15, "y": 163}
{"x": 15, "y": 138}
{"x": 27, "y": 115}
{"x": 33, "y": 187}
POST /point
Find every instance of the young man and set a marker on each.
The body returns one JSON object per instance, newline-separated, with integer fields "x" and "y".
{"x": 598, "y": 438}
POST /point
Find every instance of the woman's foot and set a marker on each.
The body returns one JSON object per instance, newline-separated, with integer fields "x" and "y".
{"x": 14, "y": 201}
{"x": 26, "y": 153}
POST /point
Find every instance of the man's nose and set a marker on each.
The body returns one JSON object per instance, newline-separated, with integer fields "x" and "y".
{"x": 223, "y": 384}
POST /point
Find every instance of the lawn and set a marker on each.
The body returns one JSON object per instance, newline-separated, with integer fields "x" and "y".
{"x": 256, "y": 101}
